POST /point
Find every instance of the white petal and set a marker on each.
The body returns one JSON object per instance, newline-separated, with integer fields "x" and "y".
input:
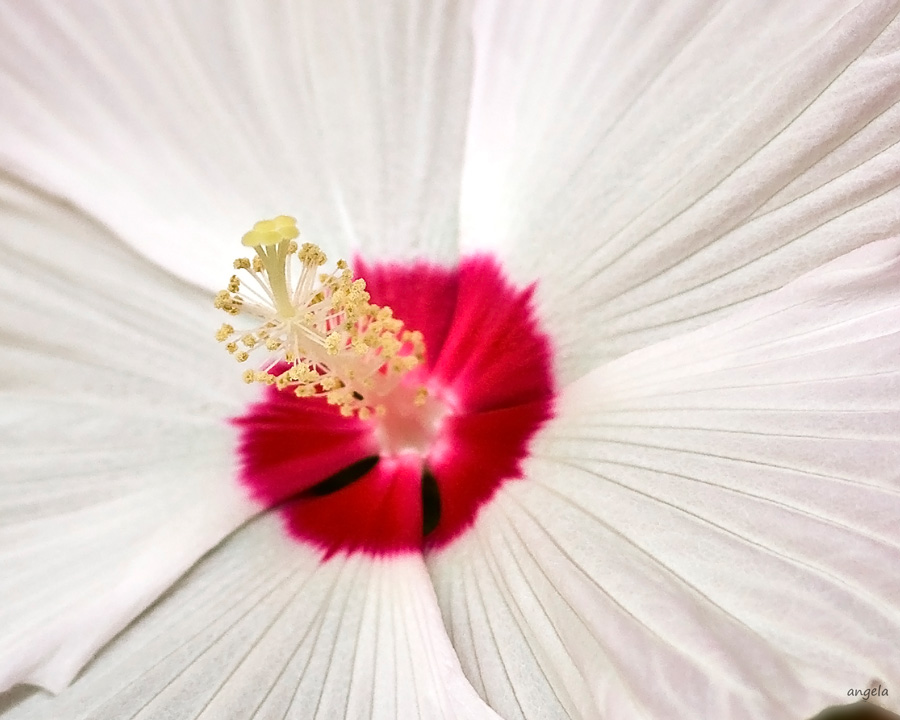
{"x": 116, "y": 463}
{"x": 179, "y": 125}
{"x": 263, "y": 628}
{"x": 655, "y": 164}
{"x": 87, "y": 316}
{"x": 709, "y": 527}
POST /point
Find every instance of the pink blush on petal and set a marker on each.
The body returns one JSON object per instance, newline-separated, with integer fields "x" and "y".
{"x": 490, "y": 387}
{"x": 475, "y": 456}
{"x": 495, "y": 369}
{"x": 287, "y": 445}
{"x": 495, "y": 356}
{"x": 423, "y": 296}
{"x": 380, "y": 513}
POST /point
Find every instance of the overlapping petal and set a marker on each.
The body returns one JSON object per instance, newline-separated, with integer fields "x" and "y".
{"x": 658, "y": 164}
{"x": 262, "y": 628}
{"x": 179, "y": 125}
{"x": 116, "y": 465}
{"x": 709, "y": 527}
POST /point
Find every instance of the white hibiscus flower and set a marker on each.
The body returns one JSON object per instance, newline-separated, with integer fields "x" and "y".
{"x": 700, "y": 517}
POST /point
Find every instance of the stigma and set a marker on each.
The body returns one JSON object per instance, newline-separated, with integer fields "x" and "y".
{"x": 315, "y": 333}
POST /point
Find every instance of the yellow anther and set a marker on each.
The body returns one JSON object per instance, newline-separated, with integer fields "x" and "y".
{"x": 307, "y": 375}
{"x": 359, "y": 346}
{"x": 249, "y": 341}
{"x": 231, "y": 347}
{"x": 311, "y": 255}
{"x": 332, "y": 343}
{"x": 421, "y": 396}
{"x": 330, "y": 383}
{"x": 224, "y": 332}
{"x": 242, "y": 264}
{"x": 234, "y": 285}
{"x": 242, "y": 356}
{"x": 365, "y": 413}
{"x": 404, "y": 363}
{"x": 257, "y": 265}
{"x": 249, "y": 376}
{"x": 390, "y": 346}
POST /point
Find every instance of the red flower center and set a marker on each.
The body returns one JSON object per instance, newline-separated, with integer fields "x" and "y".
{"x": 416, "y": 476}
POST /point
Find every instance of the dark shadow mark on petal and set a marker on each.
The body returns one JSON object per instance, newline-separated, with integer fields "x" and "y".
{"x": 431, "y": 502}
{"x": 341, "y": 479}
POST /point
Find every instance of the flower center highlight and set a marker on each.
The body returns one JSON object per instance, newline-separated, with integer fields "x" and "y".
{"x": 322, "y": 335}
{"x": 364, "y": 442}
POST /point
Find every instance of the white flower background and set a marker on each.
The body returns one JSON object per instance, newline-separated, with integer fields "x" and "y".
{"x": 708, "y": 196}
